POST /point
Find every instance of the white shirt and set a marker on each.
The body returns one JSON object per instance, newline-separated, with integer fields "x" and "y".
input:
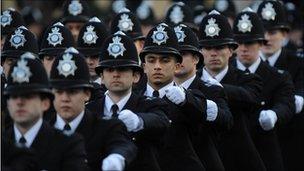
{"x": 109, "y": 102}
{"x": 30, "y": 135}
{"x": 252, "y": 67}
{"x": 188, "y": 82}
{"x": 162, "y": 93}
{"x": 273, "y": 58}
{"x": 60, "y": 123}
{"x": 218, "y": 77}
{"x": 98, "y": 81}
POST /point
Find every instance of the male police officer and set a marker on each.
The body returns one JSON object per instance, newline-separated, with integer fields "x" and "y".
{"x": 76, "y": 13}
{"x": 107, "y": 143}
{"x": 56, "y": 39}
{"x": 243, "y": 90}
{"x": 277, "y": 94}
{"x": 29, "y": 96}
{"x": 218, "y": 113}
{"x": 161, "y": 59}
{"x": 144, "y": 118}
{"x": 91, "y": 37}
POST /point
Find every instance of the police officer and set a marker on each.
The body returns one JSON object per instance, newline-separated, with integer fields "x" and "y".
{"x": 146, "y": 16}
{"x": 76, "y": 14}
{"x": 277, "y": 94}
{"x": 243, "y": 91}
{"x": 91, "y": 37}
{"x": 291, "y": 136}
{"x": 10, "y": 20}
{"x": 56, "y": 39}
{"x": 218, "y": 113}
{"x": 274, "y": 20}
{"x": 145, "y": 118}
{"x": 29, "y": 95}
{"x": 107, "y": 143}
{"x": 128, "y": 23}
{"x": 161, "y": 59}
{"x": 19, "y": 41}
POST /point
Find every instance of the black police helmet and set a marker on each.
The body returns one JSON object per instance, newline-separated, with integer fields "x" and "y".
{"x": 75, "y": 11}
{"x": 118, "y": 50}
{"x": 70, "y": 70}
{"x": 91, "y": 37}
{"x": 27, "y": 76}
{"x": 161, "y": 39}
{"x": 216, "y": 31}
{"x": 56, "y": 39}
{"x": 10, "y": 20}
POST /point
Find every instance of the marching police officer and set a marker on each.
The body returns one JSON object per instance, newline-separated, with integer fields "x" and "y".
{"x": 218, "y": 113}
{"x": 277, "y": 94}
{"x": 161, "y": 59}
{"x": 76, "y": 14}
{"x": 243, "y": 91}
{"x": 145, "y": 118}
{"x": 146, "y": 16}
{"x": 10, "y": 20}
{"x": 91, "y": 37}
{"x": 28, "y": 96}
{"x": 107, "y": 143}
{"x": 56, "y": 39}
{"x": 291, "y": 136}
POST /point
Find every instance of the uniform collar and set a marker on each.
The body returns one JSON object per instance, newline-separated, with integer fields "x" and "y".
{"x": 186, "y": 84}
{"x": 252, "y": 67}
{"x": 218, "y": 77}
{"x": 149, "y": 90}
{"x": 30, "y": 135}
{"x": 60, "y": 123}
{"x": 109, "y": 102}
{"x": 273, "y": 58}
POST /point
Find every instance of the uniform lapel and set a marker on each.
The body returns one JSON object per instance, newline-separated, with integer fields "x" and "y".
{"x": 42, "y": 140}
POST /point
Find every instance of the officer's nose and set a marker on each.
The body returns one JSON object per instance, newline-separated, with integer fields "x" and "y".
{"x": 157, "y": 65}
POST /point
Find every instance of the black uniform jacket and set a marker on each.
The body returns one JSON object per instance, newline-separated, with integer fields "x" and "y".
{"x": 56, "y": 151}
{"x": 103, "y": 137}
{"x": 152, "y": 112}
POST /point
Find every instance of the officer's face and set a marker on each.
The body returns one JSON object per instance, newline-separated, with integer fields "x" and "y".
{"x": 47, "y": 63}
{"x": 188, "y": 66}
{"x": 69, "y": 103}
{"x": 74, "y": 27}
{"x": 119, "y": 80}
{"x": 27, "y": 109}
{"x": 160, "y": 69}
{"x": 8, "y": 63}
{"x": 274, "y": 41}
{"x": 248, "y": 53}
{"x": 216, "y": 58}
{"x": 92, "y": 62}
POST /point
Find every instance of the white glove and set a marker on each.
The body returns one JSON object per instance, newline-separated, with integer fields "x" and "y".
{"x": 113, "y": 162}
{"x": 268, "y": 119}
{"x": 212, "y": 81}
{"x": 175, "y": 94}
{"x": 131, "y": 120}
{"x": 299, "y": 102}
{"x": 212, "y": 110}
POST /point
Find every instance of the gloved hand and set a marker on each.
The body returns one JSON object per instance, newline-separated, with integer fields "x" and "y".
{"x": 268, "y": 119}
{"x": 299, "y": 102}
{"x": 212, "y": 110}
{"x": 113, "y": 162}
{"x": 176, "y": 94}
{"x": 131, "y": 120}
{"x": 212, "y": 81}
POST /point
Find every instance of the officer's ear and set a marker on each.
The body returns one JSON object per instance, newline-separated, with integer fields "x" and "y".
{"x": 45, "y": 103}
{"x": 136, "y": 76}
{"x": 87, "y": 92}
{"x": 101, "y": 76}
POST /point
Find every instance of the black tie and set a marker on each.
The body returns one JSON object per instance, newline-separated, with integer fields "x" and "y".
{"x": 67, "y": 127}
{"x": 267, "y": 61}
{"x": 22, "y": 141}
{"x": 155, "y": 93}
{"x": 247, "y": 70}
{"x": 114, "y": 109}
